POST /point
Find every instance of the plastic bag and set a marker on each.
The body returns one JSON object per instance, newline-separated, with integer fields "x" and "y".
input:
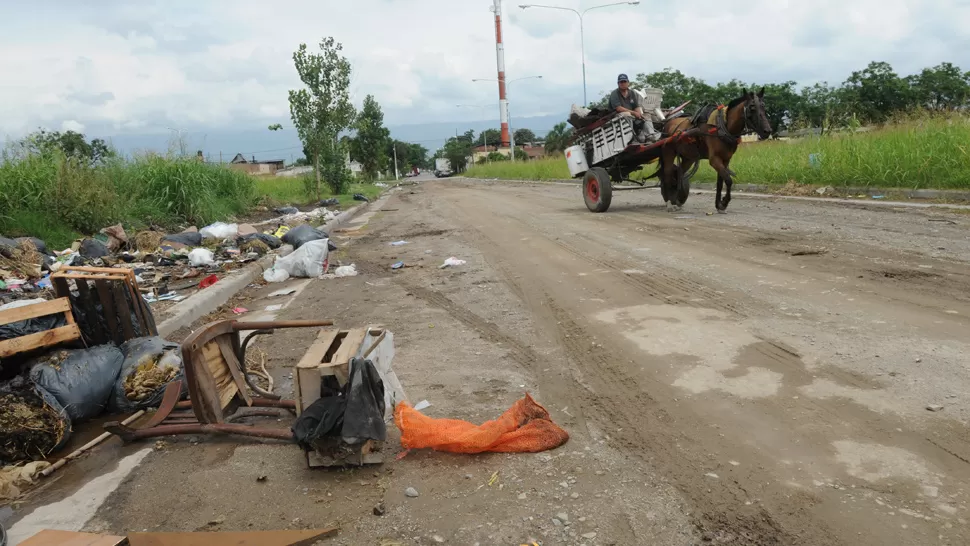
{"x": 49, "y": 426}
{"x": 201, "y": 256}
{"x": 190, "y": 238}
{"x": 332, "y": 202}
{"x": 302, "y": 234}
{"x": 285, "y": 250}
{"x": 29, "y": 326}
{"x": 346, "y": 271}
{"x": 153, "y": 355}
{"x": 81, "y": 380}
{"x": 275, "y": 275}
{"x": 451, "y": 262}
{"x": 219, "y": 230}
{"x": 354, "y": 412}
{"x": 270, "y": 240}
{"x": 93, "y": 248}
{"x": 525, "y": 428}
{"x": 308, "y": 261}
{"x": 287, "y": 210}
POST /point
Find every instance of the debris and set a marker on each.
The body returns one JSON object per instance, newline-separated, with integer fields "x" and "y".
{"x": 411, "y": 492}
{"x": 398, "y": 243}
{"x": 261, "y": 478}
{"x": 825, "y": 190}
{"x": 424, "y": 404}
{"x": 285, "y": 251}
{"x": 13, "y": 477}
{"x": 331, "y": 202}
{"x": 397, "y": 265}
{"x": 303, "y": 234}
{"x": 239, "y": 310}
{"x": 878, "y": 196}
{"x": 361, "y": 197}
{"x": 160, "y": 445}
{"x": 452, "y": 262}
{"x": 711, "y": 475}
{"x": 810, "y": 252}
{"x": 34, "y": 422}
{"x": 188, "y": 274}
{"x": 81, "y": 380}
{"x": 93, "y": 248}
{"x": 287, "y": 210}
{"x": 219, "y": 230}
{"x": 282, "y": 292}
{"x": 309, "y": 260}
{"x": 438, "y": 538}
{"x": 200, "y": 257}
{"x": 218, "y": 521}
{"x": 208, "y": 281}
{"x": 273, "y": 307}
{"x": 243, "y": 230}
{"x": 275, "y": 275}
{"x": 186, "y": 238}
{"x": 934, "y": 407}
{"x": 379, "y": 510}
{"x": 147, "y": 241}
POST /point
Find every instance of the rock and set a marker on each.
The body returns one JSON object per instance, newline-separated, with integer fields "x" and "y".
{"x": 261, "y": 478}
{"x": 411, "y": 492}
{"x": 522, "y": 496}
{"x": 590, "y": 535}
{"x": 934, "y": 407}
{"x": 438, "y": 538}
{"x": 468, "y": 476}
{"x": 711, "y": 475}
{"x": 217, "y": 521}
{"x": 556, "y": 522}
{"x": 246, "y": 229}
{"x": 574, "y": 496}
{"x": 379, "y": 510}
{"x": 562, "y": 516}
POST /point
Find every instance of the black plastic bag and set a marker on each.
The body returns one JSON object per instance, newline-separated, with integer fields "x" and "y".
{"x": 93, "y": 248}
{"x": 287, "y": 210}
{"x": 37, "y": 440}
{"x": 303, "y": 234}
{"x": 361, "y": 197}
{"x": 191, "y": 238}
{"x": 144, "y": 351}
{"x": 7, "y": 246}
{"x": 332, "y": 202}
{"x": 81, "y": 381}
{"x": 354, "y": 413}
{"x": 31, "y": 326}
{"x": 39, "y": 244}
{"x": 270, "y": 240}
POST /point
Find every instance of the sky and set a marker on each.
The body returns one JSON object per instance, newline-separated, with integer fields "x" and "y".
{"x": 217, "y": 72}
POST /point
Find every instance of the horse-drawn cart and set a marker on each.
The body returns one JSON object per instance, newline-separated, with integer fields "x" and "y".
{"x": 606, "y": 151}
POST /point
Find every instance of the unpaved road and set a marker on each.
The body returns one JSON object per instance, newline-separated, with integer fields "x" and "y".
{"x": 759, "y": 377}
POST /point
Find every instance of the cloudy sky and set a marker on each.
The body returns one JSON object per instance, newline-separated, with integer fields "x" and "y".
{"x": 114, "y": 68}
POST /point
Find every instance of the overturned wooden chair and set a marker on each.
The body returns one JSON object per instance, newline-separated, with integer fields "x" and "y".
{"x": 214, "y": 361}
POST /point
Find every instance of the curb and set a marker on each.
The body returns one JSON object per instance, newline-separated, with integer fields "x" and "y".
{"x": 208, "y": 300}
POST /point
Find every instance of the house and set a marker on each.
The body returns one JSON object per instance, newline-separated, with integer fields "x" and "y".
{"x": 267, "y": 166}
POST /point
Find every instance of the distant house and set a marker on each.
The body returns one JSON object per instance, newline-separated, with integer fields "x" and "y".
{"x": 266, "y": 166}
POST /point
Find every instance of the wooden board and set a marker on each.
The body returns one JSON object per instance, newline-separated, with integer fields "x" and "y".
{"x": 244, "y": 538}
{"x": 49, "y": 537}
{"x": 68, "y": 332}
{"x": 52, "y": 307}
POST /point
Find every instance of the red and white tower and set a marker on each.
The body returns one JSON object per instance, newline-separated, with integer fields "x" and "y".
{"x": 500, "y": 60}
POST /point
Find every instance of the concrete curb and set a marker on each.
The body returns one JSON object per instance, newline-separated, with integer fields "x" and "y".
{"x": 956, "y": 195}
{"x": 208, "y": 300}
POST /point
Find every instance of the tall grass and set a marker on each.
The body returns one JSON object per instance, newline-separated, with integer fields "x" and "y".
{"x": 915, "y": 152}
{"x": 57, "y": 198}
{"x": 278, "y": 190}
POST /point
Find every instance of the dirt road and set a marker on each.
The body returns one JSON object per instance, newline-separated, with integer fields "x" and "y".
{"x": 760, "y": 377}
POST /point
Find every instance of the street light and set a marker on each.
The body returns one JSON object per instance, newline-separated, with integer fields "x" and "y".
{"x": 582, "y": 39}
{"x": 508, "y": 111}
{"x": 485, "y": 132}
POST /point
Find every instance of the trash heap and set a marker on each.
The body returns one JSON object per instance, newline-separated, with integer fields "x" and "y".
{"x": 45, "y": 392}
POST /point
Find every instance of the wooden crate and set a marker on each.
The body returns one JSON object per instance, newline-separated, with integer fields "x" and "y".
{"x": 330, "y": 355}
{"x": 117, "y": 292}
{"x": 68, "y": 332}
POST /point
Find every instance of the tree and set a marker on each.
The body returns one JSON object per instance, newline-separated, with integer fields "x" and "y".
{"x": 558, "y": 138}
{"x": 322, "y": 109}
{"x": 369, "y": 147}
{"x": 457, "y": 150}
{"x": 943, "y": 87}
{"x": 524, "y": 135}
{"x": 677, "y": 87}
{"x": 72, "y": 144}
{"x": 275, "y": 127}
{"x": 877, "y": 92}
{"x": 493, "y": 136}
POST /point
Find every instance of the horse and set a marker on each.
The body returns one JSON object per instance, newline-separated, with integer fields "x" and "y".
{"x": 720, "y": 128}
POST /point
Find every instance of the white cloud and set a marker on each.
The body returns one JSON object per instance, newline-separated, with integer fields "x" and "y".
{"x": 123, "y": 67}
{"x": 72, "y": 125}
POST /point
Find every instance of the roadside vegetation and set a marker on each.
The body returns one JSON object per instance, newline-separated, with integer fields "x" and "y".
{"x": 279, "y": 190}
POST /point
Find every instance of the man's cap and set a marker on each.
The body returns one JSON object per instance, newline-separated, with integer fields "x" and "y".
{"x": 622, "y": 78}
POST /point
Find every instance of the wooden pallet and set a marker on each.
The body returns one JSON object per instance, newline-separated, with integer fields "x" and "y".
{"x": 117, "y": 292}
{"x": 22, "y": 344}
{"x": 330, "y": 355}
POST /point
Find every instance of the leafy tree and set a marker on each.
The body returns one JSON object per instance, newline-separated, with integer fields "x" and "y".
{"x": 677, "y": 87}
{"x": 524, "y": 135}
{"x": 275, "y": 127}
{"x": 943, "y": 87}
{"x": 495, "y": 156}
{"x": 494, "y": 136}
{"x": 457, "y": 150}
{"x": 72, "y": 144}
{"x": 557, "y": 139}
{"x": 369, "y": 147}
{"x": 520, "y": 154}
{"x": 322, "y": 109}
{"x": 877, "y": 92}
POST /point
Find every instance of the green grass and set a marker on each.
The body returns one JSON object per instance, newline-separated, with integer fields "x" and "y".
{"x": 919, "y": 152}
{"x": 58, "y": 199}
{"x": 278, "y": 190}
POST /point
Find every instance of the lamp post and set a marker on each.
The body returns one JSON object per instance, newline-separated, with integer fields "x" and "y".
{"x": 582, "y": 39}
{"x": 508, "y": 111}
{"x": 485, "y": 132}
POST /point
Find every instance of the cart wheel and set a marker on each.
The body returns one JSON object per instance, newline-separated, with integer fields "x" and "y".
{"x": 597, "y": 189}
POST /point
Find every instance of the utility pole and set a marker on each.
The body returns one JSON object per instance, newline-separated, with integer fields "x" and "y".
{"x": 394, "y": 146}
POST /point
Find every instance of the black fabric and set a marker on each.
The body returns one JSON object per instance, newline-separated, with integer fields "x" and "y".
{"x": 192, "y": 238}
{"x": 270, "y": 240}
{"x": 302, "y": 234}
{"x": 82, "y": 382}
{"x": 354, "y": 412}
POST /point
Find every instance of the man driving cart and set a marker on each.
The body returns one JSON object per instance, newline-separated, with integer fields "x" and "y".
{"x": 628, "y": 103}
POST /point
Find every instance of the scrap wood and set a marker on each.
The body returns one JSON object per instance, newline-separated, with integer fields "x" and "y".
{"x": 50, "y": 537}
{"x": 244, "y": 538}
{"x": 50, "y": 469}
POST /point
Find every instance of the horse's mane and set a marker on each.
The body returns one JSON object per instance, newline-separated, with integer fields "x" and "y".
{"x": 736, "y": 102}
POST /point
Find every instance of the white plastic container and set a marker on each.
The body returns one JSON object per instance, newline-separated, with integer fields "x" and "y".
{"x": 576, "y": 160}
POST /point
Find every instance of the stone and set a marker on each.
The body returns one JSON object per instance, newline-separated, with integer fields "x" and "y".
{"x": 438, "y": 538}
{"x": 411, "y": 492}
{"x": 574, "y": 496}
{"x": 217, "y": 521}
{"x": 590, "y": 535}
{"x": 934, "y": 407}
{"x": 379, "y": 510}
{"x": 246, "y": 229}
{"x": 562, "y": 516}
{"x": 522, "y": 496}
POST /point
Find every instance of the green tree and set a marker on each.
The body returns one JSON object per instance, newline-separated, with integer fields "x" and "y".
{"x": 72, "y": 144}
{"x": 524, "y": 135}
{"x": 457, "y": 150}
{"x": 275, "y": 127}
{"x": 370, "y": 145}
{"x": 322, "y": 109}
{"x": 876, "y": 92}
{"x": 677, "y": 87}
{"x": 494, "y": 136}
{"x": 943, "y": 87}
{"x": 557, "y": 139}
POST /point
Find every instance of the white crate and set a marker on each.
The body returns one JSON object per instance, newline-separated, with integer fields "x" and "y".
{"x": 612, "y": 138}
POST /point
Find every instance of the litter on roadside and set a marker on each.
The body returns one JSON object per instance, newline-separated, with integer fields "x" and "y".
{"x": 208, "y": 281}
{"x": 282, "y": 292}
{"x": 200, "y": 257}
{"x": 424, "y": 404}
{"x": 346, "y": 271}
{"x": 276, "y": 307}
{"x": 452, "y": 262}
{"x": 397, "y": 265}
{"x": 398, "y": 243}
{"x": 239, "y": 310}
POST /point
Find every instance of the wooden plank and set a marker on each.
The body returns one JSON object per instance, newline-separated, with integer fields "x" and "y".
{"x": 50, "y": 537}
{"x": 61, "y": 288}
{"x": 233, "y": 538}
{"x": 340, "y": 364}
{"x": 76, "y": 276}
{"x": 104, "y": 295}
{"x": 307, "y": 387}
{"x": 124, "y": 314}
{"x": 223, "y": 386}
{"x": 40, "y": 339}
{"x": 51, "y": 307}
{"x": 202, "y": 386}
{"x": 235, "y": 367}
{"x": 314, "y": 355}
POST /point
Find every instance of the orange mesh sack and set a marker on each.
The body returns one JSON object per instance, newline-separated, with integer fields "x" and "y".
{"x": 525, "y": 428}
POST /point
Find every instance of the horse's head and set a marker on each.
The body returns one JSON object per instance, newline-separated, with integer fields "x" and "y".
{"x": 755, "y": 118}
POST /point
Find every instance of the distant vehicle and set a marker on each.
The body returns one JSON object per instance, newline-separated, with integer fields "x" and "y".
{"x": 442, "y": 167}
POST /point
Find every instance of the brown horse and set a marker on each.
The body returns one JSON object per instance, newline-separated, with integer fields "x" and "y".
{"x": 721, "y": 129}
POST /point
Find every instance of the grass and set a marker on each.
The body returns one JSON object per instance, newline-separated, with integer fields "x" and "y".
{"x": 917, "y": 152}
{"x": 278, "y": 190}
